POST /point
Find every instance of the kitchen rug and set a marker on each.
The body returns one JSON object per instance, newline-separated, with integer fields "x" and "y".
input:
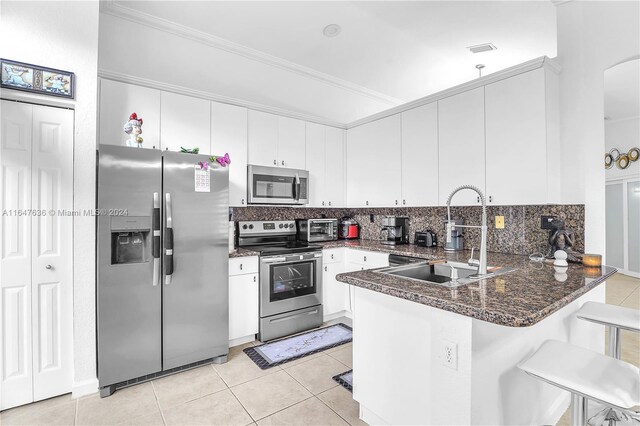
{"x": 298, "y": 346}
{"x": 345, "y": 380}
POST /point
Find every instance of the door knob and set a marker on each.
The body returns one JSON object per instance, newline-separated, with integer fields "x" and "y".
{"x": 48, "y": 267}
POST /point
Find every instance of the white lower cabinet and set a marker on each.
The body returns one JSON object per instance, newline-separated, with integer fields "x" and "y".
{"x": 333, "y": 292}
{"x": 243, "y": 300}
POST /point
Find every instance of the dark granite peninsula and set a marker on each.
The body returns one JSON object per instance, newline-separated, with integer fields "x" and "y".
{"x": 429, "y": 354}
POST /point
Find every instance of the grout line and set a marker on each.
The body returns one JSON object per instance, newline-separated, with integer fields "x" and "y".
{"x": 331, "y": 408}
{"x": 158, "y": 403}
{"x": 75, "y": 414}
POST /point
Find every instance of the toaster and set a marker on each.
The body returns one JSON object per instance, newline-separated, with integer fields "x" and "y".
{"x": 426, "y": 238}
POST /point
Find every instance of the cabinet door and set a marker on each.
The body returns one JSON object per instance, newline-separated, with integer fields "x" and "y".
{"x": 420, "y": 156}
{"x": 185, "y": 122}
{"x": 229, "y": 135}
{"x": 117, "y": 102}
{"x": 263, "y": 138}
{"x": 315, "y": 162}
{"x": 516, "y": 140}
{"x": 374, "y": 163}
{"x": 333, "y": 292}
{"x": 291, "y": 145}
{"x": 334, "y": 167}
{"x": 461, "y": 146}
{"x": 243, "y": 305}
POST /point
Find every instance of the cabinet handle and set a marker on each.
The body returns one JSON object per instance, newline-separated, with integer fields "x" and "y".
{"x": 242, "y": 201}
{"x": 404, "y": 202}
{"x": 323, "y": 203}
{"x": 331, "y": 256}
{"x": 490, "y": 199}
{"x": 396, "y": 202}
{"x": 48, "y": 267}
{"x": 241, "y": 266}
{"x": 478, "y": 199}
{"x": 329, "y": 202}
{"x": 275, "y": 163}
{"x": 365, "y": 258}
{"x": 367, "y": 203}
{"x": 283, "y": 162}
{"x": 325, "y": 269}
{"x": 254, "y": 278}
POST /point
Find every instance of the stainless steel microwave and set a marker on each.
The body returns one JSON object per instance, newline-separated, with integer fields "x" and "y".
{"x": 277, "y": 185}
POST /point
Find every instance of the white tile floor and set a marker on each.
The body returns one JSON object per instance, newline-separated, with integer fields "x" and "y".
{"x": 239, "y": 393}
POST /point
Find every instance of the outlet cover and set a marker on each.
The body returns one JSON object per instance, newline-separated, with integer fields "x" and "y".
{"x": 499, "y": 222}
{"x": 450, "y": 354}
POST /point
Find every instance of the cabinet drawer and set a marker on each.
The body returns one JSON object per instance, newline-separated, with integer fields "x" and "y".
{"x": 243, "y": 265}
{"x": 332, "y": 255}
{"x": 369, "y": 259}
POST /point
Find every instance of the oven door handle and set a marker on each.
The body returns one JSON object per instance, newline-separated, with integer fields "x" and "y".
{"x": 304, "y": 314}
{"x": 274, "y": 260}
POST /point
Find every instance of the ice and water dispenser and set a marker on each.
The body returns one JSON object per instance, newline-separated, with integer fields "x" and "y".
{"x": 130, "y": 239}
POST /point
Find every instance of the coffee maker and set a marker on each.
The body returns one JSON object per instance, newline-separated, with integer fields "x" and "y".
{"x": 457, "y": 239}
{"x": 397, "y": 229}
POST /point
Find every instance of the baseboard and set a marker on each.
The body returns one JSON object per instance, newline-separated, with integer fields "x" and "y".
{"x": 242, "y": 340}
{"x": 331, "y": 317}
{"x": 370, "y": 418}
{"x": 85, "y": 387}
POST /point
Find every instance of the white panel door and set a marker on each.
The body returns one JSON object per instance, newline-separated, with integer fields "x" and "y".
{"x": 420, "y": 156}
{"x": 263, "y": 138}
{"x": 51, "y": 248}
{"x": 461, "y": 146}
{"x": 334, "y": 293}
{"x": 117, "y": 102}
{"x": 184, "y": 122}
{"x": 334, "y": 167}
{"x": 243, "y": 305}
{"x": 315, "y": 163}
{"x": 229, "y": 135}
{"x": 515, "y": 116}
{"x": 15, "y": 265}
{"x": 291, "y": 145}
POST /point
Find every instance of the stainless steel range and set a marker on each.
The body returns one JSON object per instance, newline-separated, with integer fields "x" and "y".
{"x": 290, "y": 278}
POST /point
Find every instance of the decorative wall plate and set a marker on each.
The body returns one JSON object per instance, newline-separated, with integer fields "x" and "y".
{"x": 633, "y": 154}
{"x": 623, "y": 162}
{"x": 608, "y": 161}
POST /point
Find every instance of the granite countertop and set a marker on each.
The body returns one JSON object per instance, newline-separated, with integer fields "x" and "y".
{"x": 428, "y": 253}
{"x": 519, "y": 298}
{"x": 240, "y": 252}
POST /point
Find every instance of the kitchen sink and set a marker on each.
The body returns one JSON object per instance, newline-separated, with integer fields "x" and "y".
{"x": 447, "y": 274}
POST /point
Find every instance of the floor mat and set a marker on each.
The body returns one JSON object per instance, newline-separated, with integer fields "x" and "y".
{"x": 345, "y": 379}
{"x": 290, "y": 348}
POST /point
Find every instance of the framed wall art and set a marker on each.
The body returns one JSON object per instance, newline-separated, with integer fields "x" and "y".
{"x": 36, "y": 79}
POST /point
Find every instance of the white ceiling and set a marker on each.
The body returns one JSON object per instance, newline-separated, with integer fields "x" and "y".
{"x": 622, "y": 91}
{"x": 392, "y": 51}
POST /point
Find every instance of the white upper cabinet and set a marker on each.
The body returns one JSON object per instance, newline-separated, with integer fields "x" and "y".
{"x": 229, "y": 135}
{"x": 461, "y": 146}
{"x": 291, "y": 144}
{"x": 334, "y": 167}
{"x": 185, "y": 122}
{"x": 117, "y": 102}
{"x": 276, "y": 141}
{"x": 325, "y": 162}
{"x": 315, "y": 161}
{"x": 420, "y": 156}
{"x": 374, "y": 163}
{"x": 263, "y": 138}
{"x": 516, "y": 140}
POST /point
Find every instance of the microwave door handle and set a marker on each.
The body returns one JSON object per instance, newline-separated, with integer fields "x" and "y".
{"x": 156, "y": 239}
{"x": 296, "y": 186}
{"x": 168, "y": 241}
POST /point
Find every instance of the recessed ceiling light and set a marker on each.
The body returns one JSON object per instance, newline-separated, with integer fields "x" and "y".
{"x": 331, "y": 30}
{"x": 486, "y": 47}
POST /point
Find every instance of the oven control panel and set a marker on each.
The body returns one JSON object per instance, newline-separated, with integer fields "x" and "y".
{"x": 263, "y": 227}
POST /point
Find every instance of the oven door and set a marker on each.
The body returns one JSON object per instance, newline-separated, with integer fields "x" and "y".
{"x": 277, "y": 185}
{"x": 290, "y": 282}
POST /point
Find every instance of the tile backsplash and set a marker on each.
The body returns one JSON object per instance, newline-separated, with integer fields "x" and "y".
{"x": 521, "y": 234}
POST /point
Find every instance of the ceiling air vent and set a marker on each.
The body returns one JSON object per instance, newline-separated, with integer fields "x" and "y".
{"x": 482, "y": 48}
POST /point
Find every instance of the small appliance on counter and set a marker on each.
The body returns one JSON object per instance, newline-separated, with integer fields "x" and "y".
{"x": 397, "y": 229}
{"x": 348, "y": 229}
{"x": 311, "y": 230}
{"x": 426, "y": 238}
{"x": 457, "y": 239}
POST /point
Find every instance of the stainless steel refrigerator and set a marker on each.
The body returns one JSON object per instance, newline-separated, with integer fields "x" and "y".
{"x": 162, "y": 264}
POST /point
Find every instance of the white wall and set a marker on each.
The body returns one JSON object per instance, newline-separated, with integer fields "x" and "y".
{"x": 622, "y": 134}
{"x": 64, "y": 35}
{"x": 592, "y": 36}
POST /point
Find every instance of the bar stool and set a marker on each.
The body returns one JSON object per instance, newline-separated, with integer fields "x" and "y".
{"x": 616, "y": 318}
{"x": 587, "y": 375}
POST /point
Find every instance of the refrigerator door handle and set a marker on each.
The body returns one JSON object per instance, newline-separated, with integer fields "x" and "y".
{"x": 156, "y": 248}
{"x": 168, "y": 241}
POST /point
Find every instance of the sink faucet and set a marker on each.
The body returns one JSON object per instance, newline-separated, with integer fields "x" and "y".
{"x": 482, "y": 262}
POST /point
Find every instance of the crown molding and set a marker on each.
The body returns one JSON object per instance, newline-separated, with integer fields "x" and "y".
{"x": 109, "y": 7}
{"x": 531, "y": 65}
{"x": 158, "y": 85}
